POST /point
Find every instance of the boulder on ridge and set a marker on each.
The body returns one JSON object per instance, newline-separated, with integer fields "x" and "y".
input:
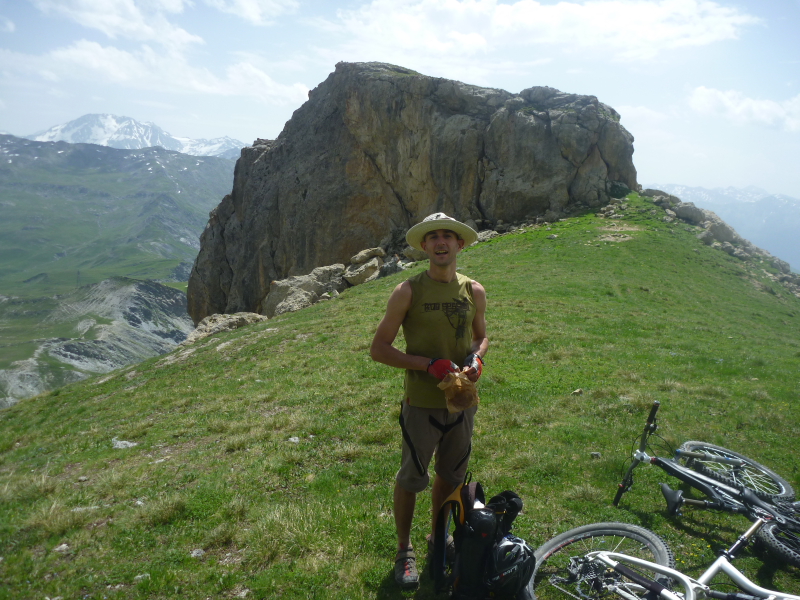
{"x": 378, "y": 147}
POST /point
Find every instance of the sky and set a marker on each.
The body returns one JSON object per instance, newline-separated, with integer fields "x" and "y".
{"x": 709, "y": 90}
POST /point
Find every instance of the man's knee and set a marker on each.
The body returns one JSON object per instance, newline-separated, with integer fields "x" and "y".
{"x": 411, "y": 481}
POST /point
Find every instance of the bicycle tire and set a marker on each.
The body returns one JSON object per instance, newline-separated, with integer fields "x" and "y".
{"x": 764, "y": 482}
{"x": 551, "y": 577}
{"x": 781, "y": 542}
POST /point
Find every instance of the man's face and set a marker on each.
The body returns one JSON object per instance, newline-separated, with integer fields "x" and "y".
{"x": 442, "y": 246}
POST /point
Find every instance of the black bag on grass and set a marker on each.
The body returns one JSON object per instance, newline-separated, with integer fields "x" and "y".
{"x": 489, "y": 562}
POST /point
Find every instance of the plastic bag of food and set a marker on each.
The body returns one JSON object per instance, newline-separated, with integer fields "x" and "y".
{"x": 459, "y": 392}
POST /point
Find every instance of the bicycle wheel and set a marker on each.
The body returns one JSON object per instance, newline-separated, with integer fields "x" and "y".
{"x": 561, "y": 569}
{"x": 781, "y": 542}
{"x": 766, "y": 484}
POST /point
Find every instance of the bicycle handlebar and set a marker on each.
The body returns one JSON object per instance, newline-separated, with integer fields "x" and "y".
{"x": 650, "y": 426}
{"x": 653, "y": 410}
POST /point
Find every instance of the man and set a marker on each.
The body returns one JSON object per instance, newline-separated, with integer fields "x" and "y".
{"x": 443, "y": 315}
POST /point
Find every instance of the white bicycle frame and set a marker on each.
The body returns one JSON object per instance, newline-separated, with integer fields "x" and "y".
{"x": 694, "y": 589}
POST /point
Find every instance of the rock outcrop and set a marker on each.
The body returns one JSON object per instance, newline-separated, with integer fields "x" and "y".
{"x": 716, "y": 232}
{"x": 375, "y": 149}
{"x": 214, "y": 324}
{"x": 299, "y": 291}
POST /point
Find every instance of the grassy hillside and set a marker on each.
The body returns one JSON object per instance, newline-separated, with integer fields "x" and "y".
{"x": 74, "y": 214}
{"x": 273, "y": 449}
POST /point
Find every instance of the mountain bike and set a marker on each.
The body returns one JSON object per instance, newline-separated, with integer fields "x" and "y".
{"x": 594, "y": 561}
{"x": 718, "y": 463}
{"x": 731, "y": 483}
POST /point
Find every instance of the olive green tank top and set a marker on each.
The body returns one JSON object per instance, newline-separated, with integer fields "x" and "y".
{"x": 438, "y": 325}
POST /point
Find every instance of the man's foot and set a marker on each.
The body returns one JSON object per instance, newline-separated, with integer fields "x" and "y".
{"x": 405, "y": 569}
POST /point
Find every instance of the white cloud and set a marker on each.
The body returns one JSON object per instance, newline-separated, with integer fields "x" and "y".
{"x": 624, "y": 29}
{"x": 48, "y": 75}
{"x": 144, "y": 21}
{"x": 147, "y": 69}
{"x": 161, "y": 61}
{"x": 632, "y": 30}
{"x": 6, "y": 25}
{"x": 258, "y": 12}
{"x": 649, "y": 127}
{"x": 88, "y": 60}
{"x": 246, "y": 79}
{"x": 641, "y": 114}
{"x": 152, "y": 104}
{"x": 737, "y": 107}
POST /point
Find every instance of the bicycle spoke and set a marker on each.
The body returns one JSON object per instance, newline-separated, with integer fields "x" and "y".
{"x": 564, "y": 569}
{"x": 766, "y": 484}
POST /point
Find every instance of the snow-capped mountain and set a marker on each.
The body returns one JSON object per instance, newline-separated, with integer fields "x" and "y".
{"x": 770, "y": 221}
{"x": 223, "y": 147}
{"x": 130, "y": 134}
{"x": 720, "y": 195}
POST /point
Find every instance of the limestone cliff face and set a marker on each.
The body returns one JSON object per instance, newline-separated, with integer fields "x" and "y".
{"x": 375, "y": 149}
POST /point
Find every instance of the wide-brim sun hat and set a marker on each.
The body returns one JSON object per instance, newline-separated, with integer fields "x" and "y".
{"x": 436, "y": 221}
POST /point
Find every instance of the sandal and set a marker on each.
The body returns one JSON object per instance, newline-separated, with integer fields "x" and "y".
{"x": 405, "y": 569}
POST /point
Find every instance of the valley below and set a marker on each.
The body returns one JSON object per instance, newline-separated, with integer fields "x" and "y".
{"x": 50, "y": 342}
{"x": 97, "y": 244}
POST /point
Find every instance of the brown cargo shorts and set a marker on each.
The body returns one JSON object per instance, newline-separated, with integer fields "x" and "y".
{"x": 434, "y": 430}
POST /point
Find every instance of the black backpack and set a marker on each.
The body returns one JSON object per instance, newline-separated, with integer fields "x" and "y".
{"x": 489, "y": 561}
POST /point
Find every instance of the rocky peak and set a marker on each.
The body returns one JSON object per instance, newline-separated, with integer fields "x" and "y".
{"x": 378, "y": 147}
{"x": 127, "y": 133}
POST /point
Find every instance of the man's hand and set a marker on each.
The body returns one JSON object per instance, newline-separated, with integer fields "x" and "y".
{"x": 473, "y": 367}
{"x": 440, "y": 367}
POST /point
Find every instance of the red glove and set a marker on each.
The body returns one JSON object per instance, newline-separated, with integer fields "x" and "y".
{"x": 476, "y": 362}
{"x": 440, "y": 367}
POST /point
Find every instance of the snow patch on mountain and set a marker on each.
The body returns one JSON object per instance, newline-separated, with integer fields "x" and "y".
{"x": 129, "y": 134}
{"x": 223, "y": 147}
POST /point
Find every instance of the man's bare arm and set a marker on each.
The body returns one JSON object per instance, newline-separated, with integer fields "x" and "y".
{"x": 382, "y": 349}
{"x": 480, "y": 343}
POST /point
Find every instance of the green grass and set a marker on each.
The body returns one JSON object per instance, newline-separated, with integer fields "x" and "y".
{"x": 75, "y": 214}
{"x": 657, "y": 317}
